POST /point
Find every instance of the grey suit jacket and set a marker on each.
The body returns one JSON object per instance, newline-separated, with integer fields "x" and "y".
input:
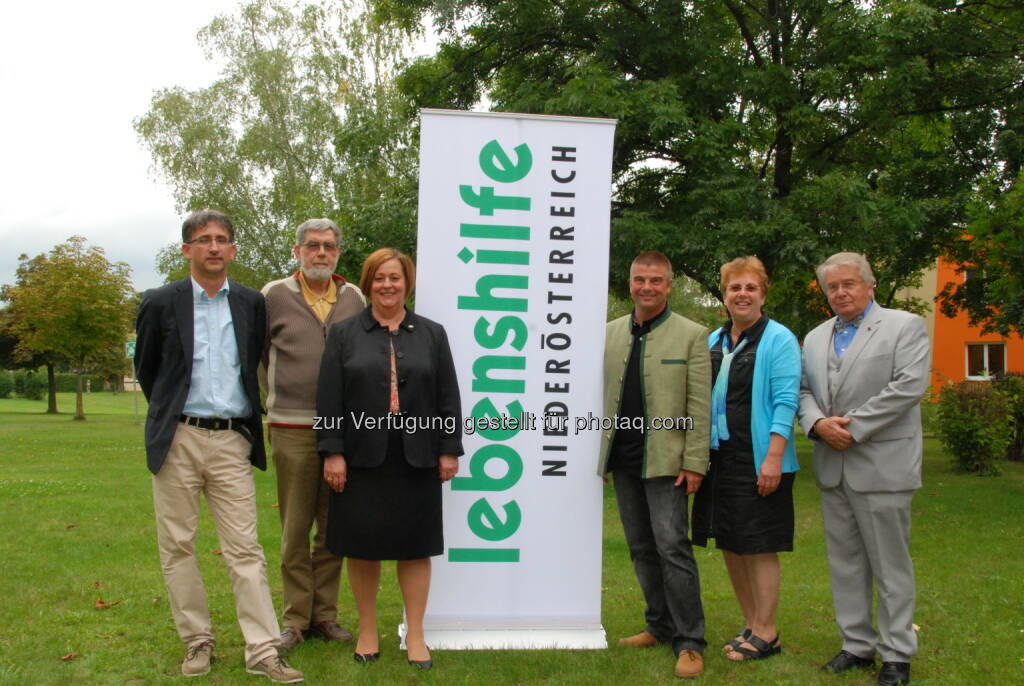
{"x": 883, "y": 376}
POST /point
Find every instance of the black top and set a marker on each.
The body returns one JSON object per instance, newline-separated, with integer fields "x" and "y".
{"x": 741, "y": 384}
{"x": 354, "y": 390}
{"x": 627, "y": 452}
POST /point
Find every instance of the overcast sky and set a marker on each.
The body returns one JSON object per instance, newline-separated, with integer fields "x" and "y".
{"x": 73, "y": 76}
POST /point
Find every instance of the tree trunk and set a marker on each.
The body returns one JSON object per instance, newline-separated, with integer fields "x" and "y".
{"x": 782, "y": 180}
{"x": 79, "y": 405}
{"x": 51, "y": 389}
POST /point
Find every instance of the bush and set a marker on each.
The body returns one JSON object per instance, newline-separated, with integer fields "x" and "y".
{"x": 1012, "y": 387}
{"x": 19, "y": 382}
{"x": 930, "y": 412}
{"x": 6, "y": 383}
{"x": 974, "y": 425}
{"x": 65, "y": 382}
{"x": 34, "y": 386}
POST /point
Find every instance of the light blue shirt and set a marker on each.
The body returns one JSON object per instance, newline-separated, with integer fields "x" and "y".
{"x": 216, "y": 389}
{"x": 841, "y": 340}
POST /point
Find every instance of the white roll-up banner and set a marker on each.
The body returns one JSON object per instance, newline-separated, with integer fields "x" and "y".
{"x": 512, "y": 258}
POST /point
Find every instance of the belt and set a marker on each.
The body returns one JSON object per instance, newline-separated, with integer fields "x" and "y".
{"x": 212, "y": 423}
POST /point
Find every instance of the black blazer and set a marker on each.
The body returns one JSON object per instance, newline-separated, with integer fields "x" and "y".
{"x": 354, "y": 385}
{"x": 163, "y": 360}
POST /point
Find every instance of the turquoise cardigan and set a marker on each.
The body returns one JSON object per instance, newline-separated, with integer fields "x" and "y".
{"x": 775, "y": 391}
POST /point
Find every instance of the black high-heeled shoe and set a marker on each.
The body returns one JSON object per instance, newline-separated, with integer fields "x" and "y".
{"x": 366, "y": 658}
{"x": 422, "y": 664}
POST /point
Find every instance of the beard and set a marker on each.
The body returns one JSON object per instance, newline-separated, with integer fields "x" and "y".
{"x": 317, "y": 273}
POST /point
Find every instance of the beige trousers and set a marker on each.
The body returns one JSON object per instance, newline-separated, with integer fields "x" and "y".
{"x": 215, "y": 463}
{"x": 311, "y": 575}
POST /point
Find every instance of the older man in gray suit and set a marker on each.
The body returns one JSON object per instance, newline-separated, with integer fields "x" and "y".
{"x": 865, "y": 371}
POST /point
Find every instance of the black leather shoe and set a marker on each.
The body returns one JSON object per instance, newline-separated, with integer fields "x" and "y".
{"x": 844, "y": 661}
{"x": 894, "y": 673}
{"x": 366, "y": 658}
{"x": 422, "y": 664}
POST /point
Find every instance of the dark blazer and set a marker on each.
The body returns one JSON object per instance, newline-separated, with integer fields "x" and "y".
{"x": 163, "y": 360}
{"x": 354, "y": 385}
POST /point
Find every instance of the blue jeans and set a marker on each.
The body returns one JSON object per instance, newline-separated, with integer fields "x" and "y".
{"x": 655, "y": 519}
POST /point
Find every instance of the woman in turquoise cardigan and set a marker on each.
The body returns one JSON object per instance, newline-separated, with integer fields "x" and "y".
{"x": 746, "y": 500}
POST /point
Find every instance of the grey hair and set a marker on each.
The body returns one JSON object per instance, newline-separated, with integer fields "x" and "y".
{"x": 316, "y": 225}
{"x": 846, "y": 259}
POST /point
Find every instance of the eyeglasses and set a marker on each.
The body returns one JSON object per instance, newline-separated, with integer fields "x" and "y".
{"x": 206, "y": 241}
{"x": 314, "y": 246}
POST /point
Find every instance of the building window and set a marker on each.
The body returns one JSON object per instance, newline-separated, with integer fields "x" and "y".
{"x": 985, "y": 360}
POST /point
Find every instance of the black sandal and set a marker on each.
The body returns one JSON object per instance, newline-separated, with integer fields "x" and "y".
{"x": 762, "y": 648}
{"x": 735, "y": 643}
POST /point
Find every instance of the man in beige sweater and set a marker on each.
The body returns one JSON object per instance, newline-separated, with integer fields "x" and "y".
{"x": 300, "y": 310}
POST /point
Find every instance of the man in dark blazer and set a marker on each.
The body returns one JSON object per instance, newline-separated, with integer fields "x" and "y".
{"x": 198, "y": 349}
{"x": 865, "y": 371}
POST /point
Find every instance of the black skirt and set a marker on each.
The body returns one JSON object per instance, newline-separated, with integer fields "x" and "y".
{"x": 389, "y": 512}
{"x": 728, "y": 508}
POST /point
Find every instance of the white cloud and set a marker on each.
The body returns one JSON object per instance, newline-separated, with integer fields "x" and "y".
{"x": 74, "y": 75}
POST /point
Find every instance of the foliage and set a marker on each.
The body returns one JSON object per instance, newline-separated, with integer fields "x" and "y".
{"x": 33, "y": 386}
{"x": 8, "y": 341}
{"x": 974, "y": 425}
{"x": 301, "y": 123}
{"x": 112, "y": 366}
{"x": 930, "y": 412}
{"x": 687, "y": 298}
{"x": 1011, "y": 385}
{"x": 788, "y": 129}
{"x": 13, "y": 358}
{"x": 71, "y": 304}
{"x": 19, "y": 381}
{"x": 67, "y": 382}
{"x": 6, "y": 383}
{"x": 994, "y": 246}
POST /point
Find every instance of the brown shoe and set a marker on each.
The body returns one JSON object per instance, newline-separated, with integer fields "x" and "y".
{"x": 290, "y": 638}
{"x": 641, "y": 640}
{"x": 197, "y": 659}
{"x": 690, "y": 664}
{"x": 330, "y": 630}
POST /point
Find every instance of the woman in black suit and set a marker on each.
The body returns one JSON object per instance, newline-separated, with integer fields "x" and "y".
{"x": 390, "y": 434}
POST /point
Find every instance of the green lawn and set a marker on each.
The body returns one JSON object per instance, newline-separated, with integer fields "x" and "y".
{"x": 78, "y": 526}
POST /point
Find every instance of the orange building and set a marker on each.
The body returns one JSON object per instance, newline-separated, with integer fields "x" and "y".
{"x": 961, "y": 351}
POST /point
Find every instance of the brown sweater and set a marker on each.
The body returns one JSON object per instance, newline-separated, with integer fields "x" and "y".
{"x": 294, "y": 346}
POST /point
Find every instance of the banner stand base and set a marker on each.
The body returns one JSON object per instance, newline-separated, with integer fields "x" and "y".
{"x": 512, "y": 639}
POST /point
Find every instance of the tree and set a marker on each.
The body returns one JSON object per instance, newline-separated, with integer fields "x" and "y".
{"x": 13, "y": 358}
{"x": 789, "y": 129}
{"x": 992, "y": 249}
{"x": 992, "y": 253}
{"x": 300, "y": 124}
{"x": 72, "y": 305}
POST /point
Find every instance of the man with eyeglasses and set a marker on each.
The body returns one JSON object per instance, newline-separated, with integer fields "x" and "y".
{"x": 199, "y": 343}
{"x": 300, "y": 310}
{"x": 864, "y": 374}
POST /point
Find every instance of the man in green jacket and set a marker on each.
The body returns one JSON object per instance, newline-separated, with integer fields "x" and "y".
{"x": 657, "y": 392}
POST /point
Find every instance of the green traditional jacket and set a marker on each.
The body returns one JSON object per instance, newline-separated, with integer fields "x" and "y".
{"x": 675, "y": 379}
